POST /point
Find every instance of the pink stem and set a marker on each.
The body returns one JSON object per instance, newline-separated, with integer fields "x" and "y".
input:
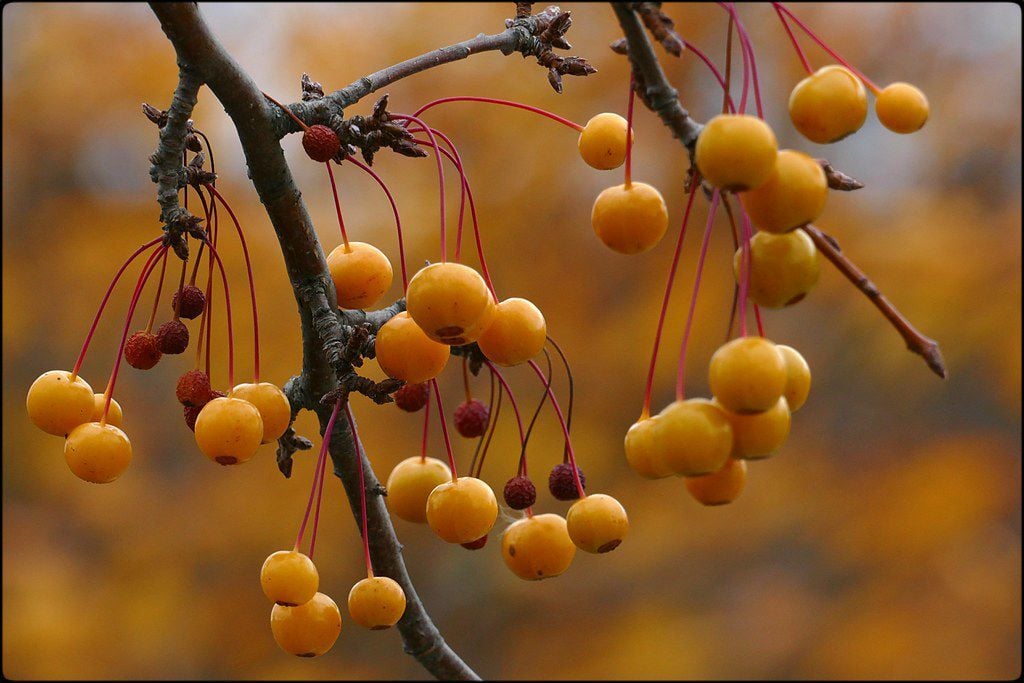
{"x": 444, "y": 429}
{"x": 681, "y": 369}
{"x": 440, "y": 177}
{"x": 394, "y": 209}
{"x": 337, "y": 205}
{"x": 227, "y": 305}
{"x": 252, "y": 286}
{"x": 426, "y": 431}
{"x": 792, "y": 39}
{"x": 721, "y": 81}
{"x": 318, "y": 469}
{"x": 565, "y": 431}
{"x": 362, "y": 491}
{"x": 511, "y": 399}
{"x": 106, "y": 298}
{"x": 323, "y": 467}
{"x": 629, "y": 131}
{"x": 826, "y": 48}
{"x": 745, "y": 233}
{"x": 507, "y": 103}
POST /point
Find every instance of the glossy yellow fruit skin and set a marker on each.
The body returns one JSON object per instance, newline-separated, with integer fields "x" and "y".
{"x": 410, "y": 483}
{"x": 450, "y": 302}
{"x": 115, "y": 416}
{"x": 97, "y": 454}
{"x": 289, "y": 578}
{"x": 405, "y": 352}
{"x": 828, "y": 105}
{"x": 644, "y": 451}
{"x": 516, "y": 334}
{"x": 229, "y": 430}
{"x": 793, "y": 195}
{"x": 694, "y": 437}
{"x": 309, "y": 629}
{"x": 783, "y": 268}
{"x": 362, "y": 274}
{"x": 759, "y": 435}
{"x": 462, "y": 511}
{"x": 902, "y": 108}
{"x": 597, "y": 523}
{"x": 275, "y": 410}
{"x": 798, "y": 378}
{"x": 630, "y": 219}
{"x": 602, "y": 142}
{"x": 376, "y": 603}
{"x": 57, "y": 405}
{"x": 747, "y": 375}
{"x": 736, "y": 152}
{"x": 537, "y": 547}
{"x": 721, "y": 487}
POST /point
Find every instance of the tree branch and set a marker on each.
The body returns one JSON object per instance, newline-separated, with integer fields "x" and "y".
{"x": 200, "y": 53}
{"x": 918, "y": 343}
{"x": 658, "y": 94}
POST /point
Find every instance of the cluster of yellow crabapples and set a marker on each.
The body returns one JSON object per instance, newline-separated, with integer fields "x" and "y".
{"x": 755, "y": 384}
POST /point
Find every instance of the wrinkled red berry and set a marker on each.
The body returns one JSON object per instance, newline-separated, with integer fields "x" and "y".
{"x": 477, "y": 544}
{"x": 191, "y": 413}
{"x": 194, "y": 389}
{"x": 471, "y": 418}
{"x": 562, "y": 483}
{"x": 321, "y": 143}
{"x": 412, "y": 397}
{"x": 142, "y": 350}
{"x": 520, "y": 493}
{"x": 172, "y": 337}
{"x": 193, "y": 302}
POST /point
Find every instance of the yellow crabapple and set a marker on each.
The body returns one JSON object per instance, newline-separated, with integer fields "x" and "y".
{"x": 450, "y": 302}
{"x": 747, "y": 375}
{"x": 643, "y": 449}
{"x": 376, "y": 602}
{"x": 537, "y": 547}
{"x": 516, "y": 334}
{"x": 97, "y": 453}
{"x": 114, "y": 416}
{"x": 759, "y": 435}
{"x": 405, "y": 352}
{"x": 783, "y": 268}
{"x": 58, "y": 401}
{"x": 793, "y": 195}
{"x": 829, "y": 104}
{"x": 597, "y": 523}
{"x": 721, "y": 487}
{"x": 798, "y": 377}
{"x": 289, "y": 578}
{"x": 901, "y": 107}
{"x": 410, "y": 483}
{"x": 736, "y": 152}
{"x": 229, "y": 430}
{"x": 694, "y": 437}
{"x": 630, "y": 218}
{"x": 309, "y": 629}
{"x": 602, "y": 142}
{"x": 361, "y": 273}
{"x": 275, "y": 409}
{"x": 463, "y": 510}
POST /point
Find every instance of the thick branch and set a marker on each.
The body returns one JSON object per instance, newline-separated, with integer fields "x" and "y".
{"x": 168, "y": 170}
{"x": 658, "y": 94}
{"x": 916, "y": 342}
{"x": 199, "y": 52}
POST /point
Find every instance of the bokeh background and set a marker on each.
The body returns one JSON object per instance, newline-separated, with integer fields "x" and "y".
{"x": 884, "y": 540}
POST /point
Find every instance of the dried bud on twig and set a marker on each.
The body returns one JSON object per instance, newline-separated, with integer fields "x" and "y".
{"x": 311, "y": 90}
{"x": 837, "y": 180}
{"x": 157, "y": 116}
{"x": 661, "y": 27}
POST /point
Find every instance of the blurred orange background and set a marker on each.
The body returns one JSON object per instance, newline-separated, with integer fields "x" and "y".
{"x": 884, "y": 540}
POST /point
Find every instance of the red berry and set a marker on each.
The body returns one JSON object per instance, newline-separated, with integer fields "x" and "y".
{"x": 412, "y": 397}
{"x": 471, "y": 418}
{"x": 477, "y": 544}
{"x": 562, "y": 483}
{"x": 321, "y": 143}
{"x": 194, "y": 389}
{"x": 192, "y": 412}
{"x": 142, "y": 350}
{"x": 172, "y": 337}
{"x": 520, "y": 493}
{"x": 193, "y": 302}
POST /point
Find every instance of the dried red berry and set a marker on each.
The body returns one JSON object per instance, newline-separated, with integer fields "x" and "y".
{"x": 520, "y": 493}
{"x": 477, "y": 544}
{"x": 191, "y": 413}
{"x": 471, "y": 418}
{"x": 172, "y": 337}
{"x": 142, "y": 351}
{"x": 412, "y": 397}
{"x": 321, "y": 143}
{"x": 193, "y": 302}
{"x": 562, "y": 483}
{"x": 194, "y": 389}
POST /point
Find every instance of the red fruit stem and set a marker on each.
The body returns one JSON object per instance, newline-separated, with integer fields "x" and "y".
{"x": 181, "y": 286}
{"x": 629, "y": 130}
{"x": 318, "y": 468}
{"x": 711, "y": 66}
{"x": 457, "y": 160}
{"x": 728, "y": 66}
{"x": 103, "y": 303}
{"x": 147, "y": 269}
{"x": 440, "y": 177}
{"x": 323, "y": 471}
{"x": 288, "y": 111}
{"x": 694, "y": 184}
{"x": 463, "y": 184}
{"x": 362, "y": 493}
{"x": 337, "y": 207}
{"x": 749, "y": 47}
{"x": 426, "y": 430}
{"x": 159, "y": 290}
{"x": 745, "y": 234}
{"x": 465, "y": 379}
{"x": 565, "y": 431}
{"x": 572, "y": 389}
{"x": 681, "y": 368}
{"x": 867, "y": 81}
{"x": 476, "y": 465}
{"x": 533, "y": 420}
{"x": 227, "y": 306}
{"x": 746, "y": 63}
{"x": 511, "y": 399}
{"x": 394, "y": 209}
{"x": 792, "y": 39}
{"x": 252, "y": 286}
{"x": 507, "y": 103}
{"x": 444, "y": 429}
{"x": 209, "y": 150}
{"x": 757, "y": 316}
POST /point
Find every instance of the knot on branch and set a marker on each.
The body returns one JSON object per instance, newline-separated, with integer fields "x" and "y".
{"x": 179, "y": 223}
{"x": 540, "y": 34}
{"x": 837, "y": 180}
{"x": 289, "y": 442}
{"x": 661, "y": 26}
{"x": 371, "y": 133}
